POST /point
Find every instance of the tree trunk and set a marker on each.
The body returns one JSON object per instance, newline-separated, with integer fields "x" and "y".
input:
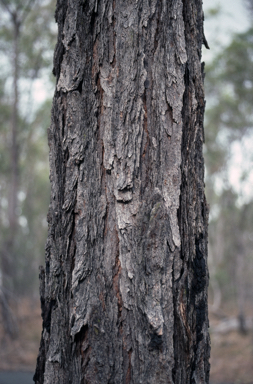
{"x": 7, "y": 251}
{"x": 13, "y": 194}
{"x": 124, "y": 290}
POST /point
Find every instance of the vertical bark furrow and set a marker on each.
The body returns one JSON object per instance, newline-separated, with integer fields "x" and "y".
{"x": 191, "y": 290}
{"x": 126, "y": 274}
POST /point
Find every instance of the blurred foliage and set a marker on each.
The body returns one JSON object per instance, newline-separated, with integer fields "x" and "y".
{"x": 228, "y": 120}
{"x": 36, "y": 39}
{"x": 229, "y": 90}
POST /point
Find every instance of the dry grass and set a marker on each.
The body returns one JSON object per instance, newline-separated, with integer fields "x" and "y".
{"x": 21, "y": 353}
{"x": 232, "y": 359}
{"x": 231, "y": 356}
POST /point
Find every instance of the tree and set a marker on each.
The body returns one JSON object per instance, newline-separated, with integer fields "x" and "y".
{"x": 124, "y": 289}
{"x": 229, "y": 122}
{"x": 24, "y": 55}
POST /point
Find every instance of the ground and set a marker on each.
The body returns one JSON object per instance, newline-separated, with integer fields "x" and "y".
{"x": 21, "y": 353}
{"x": 231, "y": 356}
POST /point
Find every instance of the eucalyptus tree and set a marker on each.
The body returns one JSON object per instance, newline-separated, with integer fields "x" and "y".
{"x": 124, "y": 288}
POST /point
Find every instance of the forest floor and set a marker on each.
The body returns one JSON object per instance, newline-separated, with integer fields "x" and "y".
{"x": 20, "y": 354}
{"x": 231, "y": 354}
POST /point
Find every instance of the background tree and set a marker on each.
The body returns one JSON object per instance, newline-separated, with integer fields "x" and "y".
{"x": 229, "y": 122}
{"x": 124, "y": 290}
{"x": 25, "y": 53}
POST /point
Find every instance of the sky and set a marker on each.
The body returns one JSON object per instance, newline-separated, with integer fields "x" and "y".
{"x": 235, "y": 14}
{"x": 234, "y": 18}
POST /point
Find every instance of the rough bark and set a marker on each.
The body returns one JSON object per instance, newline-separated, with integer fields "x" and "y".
{"x": 124, "y": 290}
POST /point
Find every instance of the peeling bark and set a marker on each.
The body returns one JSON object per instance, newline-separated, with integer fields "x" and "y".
{"x": 124, "y": 291}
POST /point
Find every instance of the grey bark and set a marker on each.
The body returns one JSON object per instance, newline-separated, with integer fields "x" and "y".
{"x": 124, "y": 290}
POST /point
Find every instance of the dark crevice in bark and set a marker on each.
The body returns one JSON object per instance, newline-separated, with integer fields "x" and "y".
{"x": 116, "y": 279}
{"x": 47, "y": 308}
{"x": 80, "y": 87}
{"x": 145, "y": 120}
{"x": 84, "y": 349}
{"x": 72, "y": 250}
{"x": 157, "y": 15}
{"x": 128, "y": 374}
{"x": 156, "y": 342}
{"x": 144, "y": 161}
{"x": 60, "y": 15}
{"x": 41, "y": 359}
{"x": 114, "y": 33}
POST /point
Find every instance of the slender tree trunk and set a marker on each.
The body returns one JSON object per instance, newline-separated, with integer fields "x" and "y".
{"x": 124, "y": 290}
{"x": 240, "y": 288}
{"x": 7, "y": 248}
{"x": 13, "y": 194}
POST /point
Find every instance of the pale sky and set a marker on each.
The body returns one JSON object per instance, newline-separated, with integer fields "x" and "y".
{"x": 236, "y": 15}
{"x": 234, "y": 18}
